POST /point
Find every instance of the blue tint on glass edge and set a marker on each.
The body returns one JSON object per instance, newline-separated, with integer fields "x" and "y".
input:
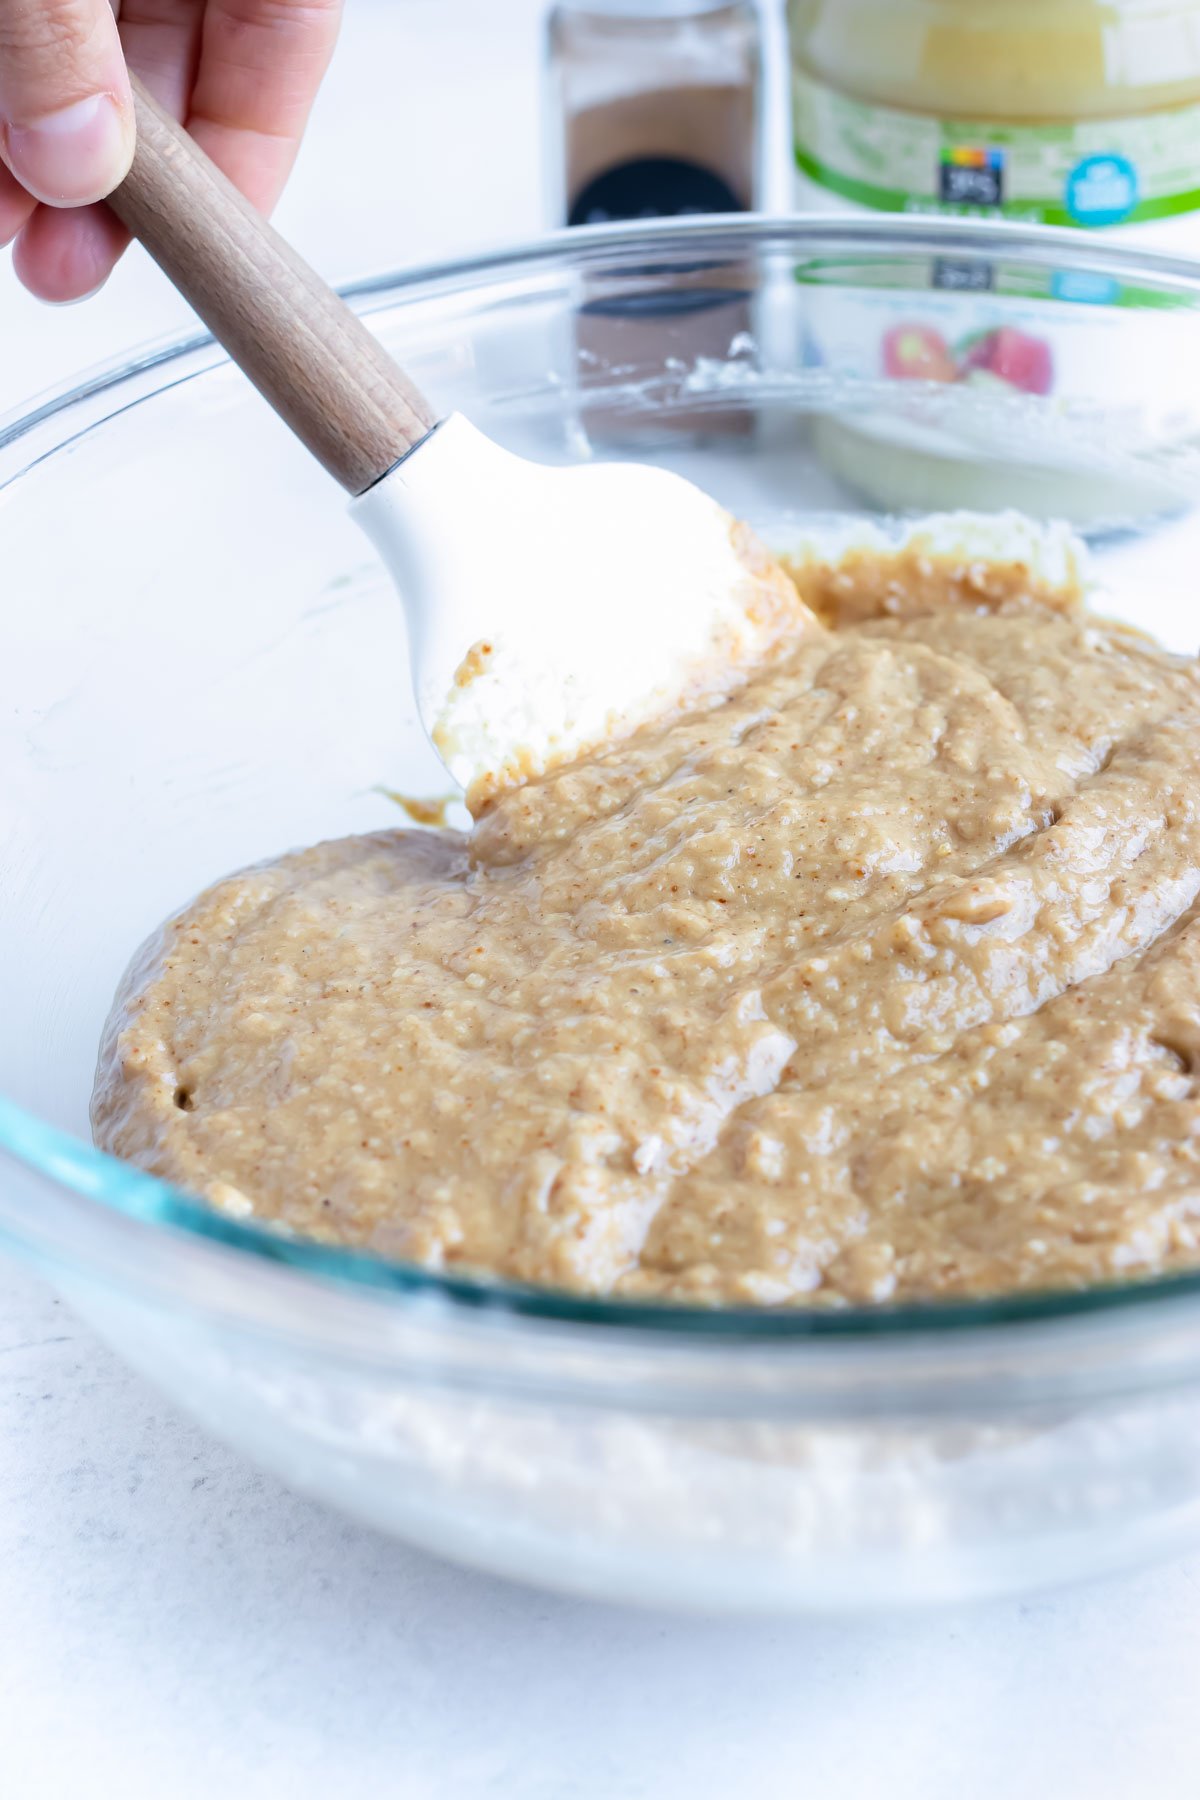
{"x": 90, "y": 1173}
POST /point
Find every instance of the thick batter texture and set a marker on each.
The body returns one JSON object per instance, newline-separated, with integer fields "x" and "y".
{"x": 877, "y": 979}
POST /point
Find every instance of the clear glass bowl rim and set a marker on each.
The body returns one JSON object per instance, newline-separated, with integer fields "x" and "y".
{"x": 99, "y": 1183}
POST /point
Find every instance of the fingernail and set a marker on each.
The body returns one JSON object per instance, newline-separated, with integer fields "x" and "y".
{"x": 73, "y": 156}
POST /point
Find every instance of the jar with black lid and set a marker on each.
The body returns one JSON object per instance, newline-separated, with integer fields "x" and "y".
{"x": 654, "y": 109}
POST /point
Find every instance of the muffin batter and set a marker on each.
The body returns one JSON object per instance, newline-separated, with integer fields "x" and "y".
{"x": 877, "y": 979}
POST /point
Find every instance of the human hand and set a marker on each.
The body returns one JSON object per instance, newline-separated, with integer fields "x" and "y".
{"x": 241, "y": 74}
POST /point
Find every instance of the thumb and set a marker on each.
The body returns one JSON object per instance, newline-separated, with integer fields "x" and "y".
{"x": 66, "y": 116}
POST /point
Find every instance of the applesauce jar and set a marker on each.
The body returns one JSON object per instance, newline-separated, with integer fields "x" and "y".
{"x": 1083, "y": 114}
{"x": 1078, "y": 113}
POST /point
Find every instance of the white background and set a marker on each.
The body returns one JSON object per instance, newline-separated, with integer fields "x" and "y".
{"x": 173, "y": 1624}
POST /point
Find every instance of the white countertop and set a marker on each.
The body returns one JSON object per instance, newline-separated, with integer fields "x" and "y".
{"x": 171, "y": 1621}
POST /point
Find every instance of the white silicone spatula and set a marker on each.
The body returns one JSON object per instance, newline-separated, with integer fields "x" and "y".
{"x": 546, "y": 607}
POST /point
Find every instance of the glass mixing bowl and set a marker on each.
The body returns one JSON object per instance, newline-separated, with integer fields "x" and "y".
{"x": 203, "y": 665}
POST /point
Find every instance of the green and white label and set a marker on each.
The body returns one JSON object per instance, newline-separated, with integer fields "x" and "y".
{"x": 1090, "y": 174}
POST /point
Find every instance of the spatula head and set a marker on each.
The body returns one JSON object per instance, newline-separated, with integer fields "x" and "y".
{"x": 551, "y": 609}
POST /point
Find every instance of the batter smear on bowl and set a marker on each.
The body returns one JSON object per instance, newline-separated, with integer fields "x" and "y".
{"x": 875, "y": 979}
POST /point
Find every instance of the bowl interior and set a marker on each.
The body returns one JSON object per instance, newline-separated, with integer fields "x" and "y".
{"x": 209, "y": 667}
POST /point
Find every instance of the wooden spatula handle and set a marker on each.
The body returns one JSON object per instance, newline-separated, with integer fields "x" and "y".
{"x": 301, "y": 345}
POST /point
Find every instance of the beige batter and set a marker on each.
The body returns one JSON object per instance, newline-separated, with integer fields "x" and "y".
{"x": 877, "y": 980}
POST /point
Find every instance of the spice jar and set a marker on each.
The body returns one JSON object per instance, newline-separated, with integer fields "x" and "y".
{"x": 654, "y": 109}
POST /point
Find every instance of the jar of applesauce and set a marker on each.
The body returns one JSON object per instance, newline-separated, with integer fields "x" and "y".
{"x": 1081, "y": 113}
